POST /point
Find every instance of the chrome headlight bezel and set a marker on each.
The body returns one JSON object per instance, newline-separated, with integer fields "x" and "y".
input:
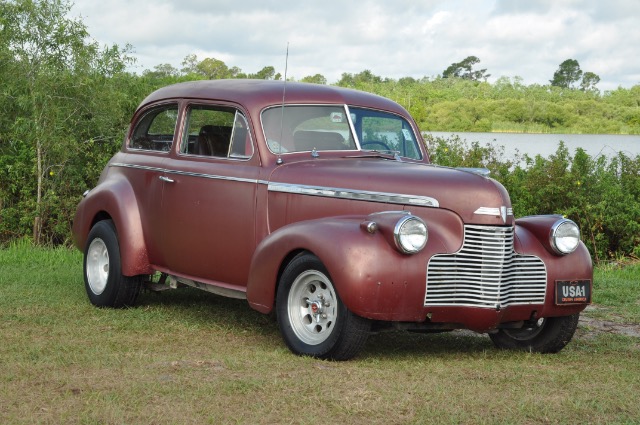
{"x": 564, "y": 236}
{"x": 410, "y": 234}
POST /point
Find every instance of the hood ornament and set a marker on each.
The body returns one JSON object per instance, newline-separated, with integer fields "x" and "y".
{"x": 502, "y": 212}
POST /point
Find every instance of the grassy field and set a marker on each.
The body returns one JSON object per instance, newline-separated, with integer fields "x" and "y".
{"x": 191, "y": 357}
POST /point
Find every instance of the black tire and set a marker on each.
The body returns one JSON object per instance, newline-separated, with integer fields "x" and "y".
{"x": 103, "y": 279}
{"x": 313, "y": 320}
{"x": 549, "y": 335}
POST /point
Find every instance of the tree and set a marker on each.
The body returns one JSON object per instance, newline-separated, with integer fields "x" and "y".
{"x": 212, "y": 69}
{"x": 589, "y": 81}
{"x": 234, "y": 72}
{"x": 266, "y": 73}
{"x": 163, "y": 70}
{"x": 190, "y": 64}
{"x": 360, "y": 80}
{"x": 52, "y": 82}
{"x": 315, "y": 79}
{"x": 464, "y": 70}
{"x": 567, "y": 75}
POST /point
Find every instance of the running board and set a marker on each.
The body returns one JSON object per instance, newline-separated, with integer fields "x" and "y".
{"x": 167, "y": 282}
{"x": 218, "y": 290}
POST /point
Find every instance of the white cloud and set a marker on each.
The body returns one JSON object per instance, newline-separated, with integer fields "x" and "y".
{"x": 392, "y": 39}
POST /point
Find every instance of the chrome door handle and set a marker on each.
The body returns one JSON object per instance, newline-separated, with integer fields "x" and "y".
{"x": 166, "y": 179}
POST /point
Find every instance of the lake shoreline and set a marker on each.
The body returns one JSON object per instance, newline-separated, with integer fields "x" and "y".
{"x": 546, "y": 144}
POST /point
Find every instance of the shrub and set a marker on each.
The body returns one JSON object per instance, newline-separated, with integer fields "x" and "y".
{"x": 602, "y": 195}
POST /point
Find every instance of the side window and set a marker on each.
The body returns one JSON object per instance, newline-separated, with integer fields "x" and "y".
{"x": 156, "y": 129}
{"x": 216, "y": 131}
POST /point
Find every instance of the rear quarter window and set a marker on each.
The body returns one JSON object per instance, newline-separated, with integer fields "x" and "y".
{"x": 155, "y": 131}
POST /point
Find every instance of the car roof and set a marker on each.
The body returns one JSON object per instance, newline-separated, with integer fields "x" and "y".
{"x": 258, "y": 94}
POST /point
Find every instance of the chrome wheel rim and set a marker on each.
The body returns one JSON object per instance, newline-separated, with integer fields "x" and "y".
{"x": 527, "y": 334}
{"x": 97, "y": 266}
{"x": 312, "y": 307}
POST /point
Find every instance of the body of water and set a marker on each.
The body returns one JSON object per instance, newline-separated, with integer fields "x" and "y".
{"x": 547, "y": 144}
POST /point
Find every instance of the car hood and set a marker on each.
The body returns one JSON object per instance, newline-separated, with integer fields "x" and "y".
{"x": 476, "y": 199}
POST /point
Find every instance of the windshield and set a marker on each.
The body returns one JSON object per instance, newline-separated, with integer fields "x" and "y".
{"x": 302, "y": 128}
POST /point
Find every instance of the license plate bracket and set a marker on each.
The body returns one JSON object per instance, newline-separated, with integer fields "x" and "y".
{"x": 573, "y": 291}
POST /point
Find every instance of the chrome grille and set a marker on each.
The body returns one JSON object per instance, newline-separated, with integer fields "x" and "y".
{"x": 486, "y": 272}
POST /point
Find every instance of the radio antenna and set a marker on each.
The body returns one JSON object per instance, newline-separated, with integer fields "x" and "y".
{"x": 284, "y": 92}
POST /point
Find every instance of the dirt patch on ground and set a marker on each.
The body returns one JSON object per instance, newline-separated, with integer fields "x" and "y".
{"x": 590, "y": 324}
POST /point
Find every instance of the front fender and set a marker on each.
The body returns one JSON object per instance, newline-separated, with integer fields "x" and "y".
{"x": 114, "y": 198}
{"x": 532, "y": 238}
{"x": 372, "y": 277}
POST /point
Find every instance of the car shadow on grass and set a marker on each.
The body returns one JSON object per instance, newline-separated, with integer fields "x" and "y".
{"x": 197, "y": 308}
{"x": 193, "y": 307}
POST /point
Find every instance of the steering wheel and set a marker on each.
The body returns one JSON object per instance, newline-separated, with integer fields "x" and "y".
{"x": 376, "y": 143}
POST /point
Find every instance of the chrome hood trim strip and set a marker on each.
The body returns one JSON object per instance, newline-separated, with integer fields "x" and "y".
{"x": 354, "y": 194}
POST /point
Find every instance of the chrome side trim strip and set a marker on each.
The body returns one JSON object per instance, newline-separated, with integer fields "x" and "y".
{"x": 137, "y": 167}
{"x": 211, "y": 176}
{"x": 360, "y": 195}
{"x": 187, "y": 173}
{"x": 329, "y": 192}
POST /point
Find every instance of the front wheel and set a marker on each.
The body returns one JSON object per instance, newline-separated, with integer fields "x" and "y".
{"x": 312, "y": 318}
{"x": 547, "y": 335}
{"x": 104, "y": 282}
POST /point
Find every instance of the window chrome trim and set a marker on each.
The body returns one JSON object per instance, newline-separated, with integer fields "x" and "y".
{"x": 354, "y": 194}
{"x": 352, "y": 128}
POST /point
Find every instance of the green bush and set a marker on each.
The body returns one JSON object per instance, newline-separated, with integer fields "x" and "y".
{"x": 602, "y": 195}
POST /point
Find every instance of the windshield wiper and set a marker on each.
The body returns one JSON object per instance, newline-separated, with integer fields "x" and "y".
{"x": 384, "y": 154}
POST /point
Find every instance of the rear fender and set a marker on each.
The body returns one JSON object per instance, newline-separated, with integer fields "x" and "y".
{"x": 115, "y": 198}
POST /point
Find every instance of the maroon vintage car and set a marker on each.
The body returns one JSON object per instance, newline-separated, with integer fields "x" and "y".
{"x": 320, "y": 203}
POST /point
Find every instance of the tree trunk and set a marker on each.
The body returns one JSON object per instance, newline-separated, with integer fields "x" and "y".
{"x": 37, "y": 222}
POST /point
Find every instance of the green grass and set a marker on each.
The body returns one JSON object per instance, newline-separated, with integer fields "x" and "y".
{"x": 191, "y": 357}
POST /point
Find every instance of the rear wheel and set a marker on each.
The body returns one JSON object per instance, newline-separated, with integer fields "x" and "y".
{"x": 104, "y": 282}
{"x": 547, "y": 335}
{"x": 312, "y": 318}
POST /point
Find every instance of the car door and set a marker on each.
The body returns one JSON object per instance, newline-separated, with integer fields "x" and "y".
{"x": 147, "y": 149}
{"x": 209, "y": 198}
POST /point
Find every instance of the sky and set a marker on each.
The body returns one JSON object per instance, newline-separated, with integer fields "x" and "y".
{"x": 392, "y": 38}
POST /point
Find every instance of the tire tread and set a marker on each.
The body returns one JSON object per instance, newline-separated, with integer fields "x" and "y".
{"x": 557, "y": 334}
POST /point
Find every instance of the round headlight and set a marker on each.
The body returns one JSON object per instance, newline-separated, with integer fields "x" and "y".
{"x": 565, "y": 236}
{"x": 410, "y": 234}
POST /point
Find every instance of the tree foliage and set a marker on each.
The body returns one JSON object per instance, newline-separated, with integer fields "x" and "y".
{"x": 464, "y": 70}
{"x": 315, "y": 79}
{"x": 62, "y": 96}
{"x": 569, "y": 74}
{"x": 602, "y": 195}
{"x": 67, "y": 101}
{"x": 589, "y": 81}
